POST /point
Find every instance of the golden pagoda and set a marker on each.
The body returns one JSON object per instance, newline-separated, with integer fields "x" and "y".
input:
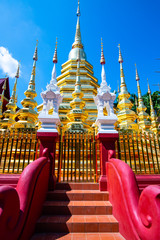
{"x": 143, "y": 117}
{"x": 66, "y": 81}
{"x": 126, "y": 117}
{"x": 1, "y": 101}
{"x": 77, "y": 116}
{"x": 10, "y": 113}
{"x": 154, "y": 123}
{"x": 27, "y": 115}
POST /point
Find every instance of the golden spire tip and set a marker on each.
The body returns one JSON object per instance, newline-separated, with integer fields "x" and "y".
{"x": 137, "y": 75}
{"x": 78, "y": 9}
{"x": 56, "y": 42}
{"x": 4, "y": 85}
{"x": 120, "y": 59}
{"x": 101, "y": 44}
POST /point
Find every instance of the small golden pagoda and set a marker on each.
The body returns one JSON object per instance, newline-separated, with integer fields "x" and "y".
{"x": 1, "y": 101}
{"x": 27, "y": 115}
{"x": 154, "y": 123}
{"x": 77, "y": 116}
{"x": 126, "y": 117}
{"x": 66, "y": 81}
{"x": 143, "y": 117}
{"x": 10, "y": 113}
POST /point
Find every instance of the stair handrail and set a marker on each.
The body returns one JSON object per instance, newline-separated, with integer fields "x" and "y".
{"x": 21, "y": 207}
{"x": 138, "y": 214}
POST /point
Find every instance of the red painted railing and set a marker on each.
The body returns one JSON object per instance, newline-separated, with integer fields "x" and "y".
{"x": 21, "y": 207}
{"x": 138, "y": 214}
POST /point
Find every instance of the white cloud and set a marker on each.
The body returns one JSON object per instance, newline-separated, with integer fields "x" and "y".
{"x": 8, "y": 64}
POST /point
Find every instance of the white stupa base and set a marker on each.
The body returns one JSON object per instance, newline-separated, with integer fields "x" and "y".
{"x": 106, "y": 124}
{"x": 49, "y": 122}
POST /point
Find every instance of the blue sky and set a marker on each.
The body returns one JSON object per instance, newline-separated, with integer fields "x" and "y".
{"x": 133, "y": 24}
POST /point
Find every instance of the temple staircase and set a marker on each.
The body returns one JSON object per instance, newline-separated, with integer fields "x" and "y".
{"x": 77, "y": 211}
{"x": 9, "y": 179}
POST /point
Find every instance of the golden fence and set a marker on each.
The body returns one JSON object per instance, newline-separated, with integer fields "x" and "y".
{"x": 140, "y": 150}
{"x": 17, "y": 149}
{"x": 77, "y": 157}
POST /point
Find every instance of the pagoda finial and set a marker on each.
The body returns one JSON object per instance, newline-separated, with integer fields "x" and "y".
{"x": 4, "y": 86}
{"x": 102, "y": 61}
{"x": 138, "y": 86}
{"x": 103, "y": 86}
{"x": 32, "y": 79}
{"x": 149, "y": 90}
{"x": 137, "y": 76}
{"x": 123, "y": 88}
{"x": 77, "y": 41}
{"x": 78, "y": 9}
{"x": 78, "y": 32}
{"x": 53, "y": 79}
{"x": 1, "y": 100}
{"x": 120, "y": 59}
{"x": 154, "y": 124}
{"x": 13, "y": 96}
{"x": 35, "y": 56}
{"x": 55, "y": 53}
{"x": 17, "y": 73}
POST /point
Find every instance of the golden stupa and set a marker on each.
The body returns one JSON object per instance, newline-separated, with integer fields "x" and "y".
{"x": 27, "y": 115}
{"x": 10, "y": 114}
{"x": 143, "y": 117}
{"x": 126, "y": 117}
{"x": 66, "y": 81}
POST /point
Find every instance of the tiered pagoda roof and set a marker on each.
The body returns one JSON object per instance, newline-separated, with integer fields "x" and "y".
{"x": 66, "y": 81}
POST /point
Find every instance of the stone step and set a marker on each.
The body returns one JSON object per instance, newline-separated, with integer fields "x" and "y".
{"x": 77, "y": 186}
{"x": 77, "y": 223}
{"x": 78, "y": 236}
{"x": 77, "y": 195}
{"x": 77, "y": 208}
{"x": 9, "y": 179}
{"x": 11, "y": 185}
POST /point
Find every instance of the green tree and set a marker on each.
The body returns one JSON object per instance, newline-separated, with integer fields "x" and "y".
{"x": 156, "y": 102}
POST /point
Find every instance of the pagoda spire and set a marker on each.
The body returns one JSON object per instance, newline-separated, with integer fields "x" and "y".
{"x": 123, "y": 87}
{"x": 102, "y": 61}
{"x": 49, "y": 116}
{"x": 77, "y": 116}
{"x": 126, "y": 117}
{"x": 27, "y": 115}
{"x": 78, "y": 31}
{"x": 2, "y": 97}
{"x": 55, "y": 60}
{"x": 141, "y": 109}
{"x": 103, "y": 86}
{"x": 103, "y": 73}
{"x": 52, "y": 86}
{"x": 154, "y": 123}
{"x": 77, "y": 41}
{"x": 10, "y": 113}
